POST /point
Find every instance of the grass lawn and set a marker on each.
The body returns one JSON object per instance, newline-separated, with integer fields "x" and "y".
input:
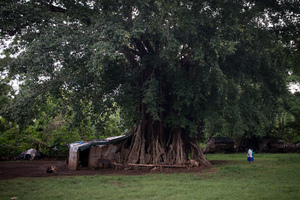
{"x": 272, "y": 176}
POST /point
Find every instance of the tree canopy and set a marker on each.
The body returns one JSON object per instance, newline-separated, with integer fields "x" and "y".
{"x": 176, "y": 68}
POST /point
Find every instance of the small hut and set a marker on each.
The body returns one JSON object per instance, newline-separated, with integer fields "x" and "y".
{"x": 278, "y": 144}
{"x": 272, "y": 145}
{"x": 219, "y": 144}
{"x": 88, "y": 153}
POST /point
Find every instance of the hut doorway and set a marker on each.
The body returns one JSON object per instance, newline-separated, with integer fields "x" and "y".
{"x": 83, "y": 158}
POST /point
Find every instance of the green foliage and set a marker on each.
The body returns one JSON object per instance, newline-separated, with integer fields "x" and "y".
{"x": 8, "y": 140}
{"x": 286, "y": 121}
{"x": 11, "y": 140}
{"x": 5, "y": 89}
{"x": 51, "y": 131}
{"x": 114, "y": 125}
{"x": 200, "y": 65}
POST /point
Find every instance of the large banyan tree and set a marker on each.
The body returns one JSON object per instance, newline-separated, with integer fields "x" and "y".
{"x": 176, "y": 68}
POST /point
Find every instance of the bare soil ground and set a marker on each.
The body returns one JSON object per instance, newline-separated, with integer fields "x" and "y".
{"x": 37, "y": 168}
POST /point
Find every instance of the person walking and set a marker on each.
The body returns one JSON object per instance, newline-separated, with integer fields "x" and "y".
{"x": 250, "y": 156}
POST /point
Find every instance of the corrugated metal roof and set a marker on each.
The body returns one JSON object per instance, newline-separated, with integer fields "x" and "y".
{"x": 110, "y": 140}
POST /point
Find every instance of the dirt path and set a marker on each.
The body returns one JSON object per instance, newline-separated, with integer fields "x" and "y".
{"x": 37, "y": 168}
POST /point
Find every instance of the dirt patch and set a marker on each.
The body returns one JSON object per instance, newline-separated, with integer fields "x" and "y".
{"x": 37, "y": 168}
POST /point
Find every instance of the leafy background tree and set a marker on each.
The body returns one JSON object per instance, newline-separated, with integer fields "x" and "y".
{"x": 175, "y": 69}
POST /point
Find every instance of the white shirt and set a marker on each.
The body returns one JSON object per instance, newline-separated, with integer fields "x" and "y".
{"x": 249, "y": 153}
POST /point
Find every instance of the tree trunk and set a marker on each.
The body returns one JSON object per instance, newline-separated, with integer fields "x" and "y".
{"x": 149, "y": 146}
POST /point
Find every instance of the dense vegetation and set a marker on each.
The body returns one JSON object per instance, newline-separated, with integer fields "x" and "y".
{"x": 173, "y": 71}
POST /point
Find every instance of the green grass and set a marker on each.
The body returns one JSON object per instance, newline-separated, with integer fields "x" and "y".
{"x": 272, "y": 176}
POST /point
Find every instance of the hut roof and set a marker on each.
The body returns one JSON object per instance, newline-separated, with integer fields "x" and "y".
{"x": 226, "y": 140}
{"x": 110, "y": 140}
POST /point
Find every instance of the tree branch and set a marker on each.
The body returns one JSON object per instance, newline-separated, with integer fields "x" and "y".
{"x": 55, "y": 9}
{"x": 148, "y": 46}
{"x": 140, "y": 46}
{"x": 130, "y": 57}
